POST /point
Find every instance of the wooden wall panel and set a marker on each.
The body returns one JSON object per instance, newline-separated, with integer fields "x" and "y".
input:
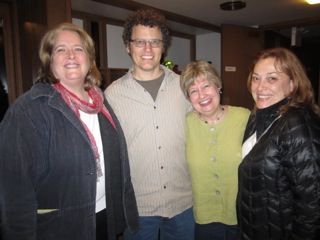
{"x": 48, "y": 13}
{"x": 58, "y": 11}
{"x": 239, "y": 45}
{"x": 8, "y": 12}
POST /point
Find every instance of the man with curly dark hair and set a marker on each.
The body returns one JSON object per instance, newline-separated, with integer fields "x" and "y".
{"x": 151, "y": 108}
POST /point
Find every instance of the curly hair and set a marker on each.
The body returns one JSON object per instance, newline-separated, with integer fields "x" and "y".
{"x": 150, "y": 18}
{"x": 287, "y": 62}
{"x": 45, "y": 74}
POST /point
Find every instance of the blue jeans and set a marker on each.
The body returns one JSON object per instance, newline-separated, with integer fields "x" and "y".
{"x": 216, "y": 231}
{"x": 179, "y": 227}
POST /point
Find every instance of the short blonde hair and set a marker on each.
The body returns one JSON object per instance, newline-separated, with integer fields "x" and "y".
{"x": 196, "y": 69}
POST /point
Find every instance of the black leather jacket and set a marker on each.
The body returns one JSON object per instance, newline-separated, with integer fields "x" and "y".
{"x": 279, "y": 179}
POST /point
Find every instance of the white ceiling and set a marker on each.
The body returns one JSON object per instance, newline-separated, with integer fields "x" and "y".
{"x": 257, "y": 13}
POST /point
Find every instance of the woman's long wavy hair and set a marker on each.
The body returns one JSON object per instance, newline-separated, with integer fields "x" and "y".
{"x": 287, "y": 62}
{"x": 93, "y": 77}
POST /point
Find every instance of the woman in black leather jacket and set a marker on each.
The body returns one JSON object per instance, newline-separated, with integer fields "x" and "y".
{"x": 279, "y": 177}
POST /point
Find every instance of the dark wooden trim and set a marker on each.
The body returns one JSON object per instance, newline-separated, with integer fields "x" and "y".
{"x": 87, "y": 17}
{"x": 103, "y": 45}
{"x": 181, "y": 35}
{"x": 114, "y": 74}
{"x": 193, "y": 49}
{"x": 319, "y": 90}
{"x": 133, "y": 6}
{"x": 108, "y": 74}
{"x": 8, "y": 11}
{"x": 84, "y": 15}
{"x": 293, "y": 23}
{"x": 192, "y": 39}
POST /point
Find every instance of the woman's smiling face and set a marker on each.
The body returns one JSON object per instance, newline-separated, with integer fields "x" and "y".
{"x": 204, "y": 96}
{"x": 69, "y": 61}
{"x": 269, "y": 85}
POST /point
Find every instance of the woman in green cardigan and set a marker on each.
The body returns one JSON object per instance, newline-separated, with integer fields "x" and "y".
{"x": 214, "y": 139}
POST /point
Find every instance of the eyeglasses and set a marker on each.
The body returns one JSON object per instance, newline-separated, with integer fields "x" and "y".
{"x": 140, "y": 43}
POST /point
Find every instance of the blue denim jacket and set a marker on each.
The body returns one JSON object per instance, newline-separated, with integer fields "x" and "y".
{"x": 48, "y": 173}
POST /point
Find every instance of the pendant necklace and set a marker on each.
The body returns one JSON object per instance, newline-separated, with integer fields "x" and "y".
{"x": 217, "y": 119}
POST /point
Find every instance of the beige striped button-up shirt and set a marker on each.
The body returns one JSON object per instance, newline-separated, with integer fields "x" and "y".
{"x": 155, "y": 136}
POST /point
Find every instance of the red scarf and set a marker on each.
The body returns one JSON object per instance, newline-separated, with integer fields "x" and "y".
{"x": 96, "y": 106}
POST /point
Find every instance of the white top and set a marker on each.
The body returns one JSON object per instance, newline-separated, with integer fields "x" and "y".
{"x": 249, "y": 144}
{"x": 92, "y": 122}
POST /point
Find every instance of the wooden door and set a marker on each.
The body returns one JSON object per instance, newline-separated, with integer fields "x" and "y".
{"x": 238, "y": 47}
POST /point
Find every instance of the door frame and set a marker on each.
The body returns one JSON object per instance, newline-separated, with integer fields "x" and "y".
{"x": 8, "y": 12}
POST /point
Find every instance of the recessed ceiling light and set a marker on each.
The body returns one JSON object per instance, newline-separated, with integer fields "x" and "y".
{"x": 233, "y": 5}
{"x": 313, "y": 1}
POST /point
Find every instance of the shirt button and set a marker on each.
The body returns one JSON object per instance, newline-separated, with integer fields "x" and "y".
{"x": 216, "y": 176}
{"x": 217, "y": 192}
{"x": 213, "y": 158}
{"x": 159, "y": 147}
{"x": 154, "y": 107}
{"x": 164, "y": 186}
{"x": 157, "y": 127}
{"x": 212, "y": 129}
{"x": 161, "y": 167}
